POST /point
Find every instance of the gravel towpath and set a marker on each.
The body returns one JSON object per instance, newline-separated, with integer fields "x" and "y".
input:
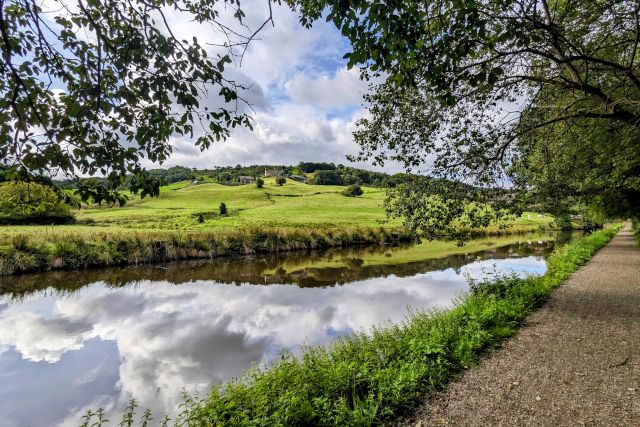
{"x": 575, "y": 362}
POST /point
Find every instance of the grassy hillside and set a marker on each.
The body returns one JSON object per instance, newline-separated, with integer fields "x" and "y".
{"x": 293, "y": 205}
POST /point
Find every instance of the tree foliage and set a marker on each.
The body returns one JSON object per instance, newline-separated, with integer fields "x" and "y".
{"x": 438, "y": 207}
{"x": 173, "y": 174}
{"x": 472, "y": 87}
{"x": 25, "y": 203}
{"x": 315, "y": 166}
{"x": 327, "y": 177}
{"x": 93, "y": 87}
{"x": 591, "y": 169}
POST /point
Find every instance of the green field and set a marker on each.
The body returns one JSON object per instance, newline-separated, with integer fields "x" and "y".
{"x": 293, "y": 205}
{"x": 184, "y": 223}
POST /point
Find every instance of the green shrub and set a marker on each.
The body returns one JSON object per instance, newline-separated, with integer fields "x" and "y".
{"x": 259, "y": 182}
{"x": 563, "y": 222}
{"x": 281, "y": 180}
{"x": 31, "y": 203}
{"x": 353, "y": 191}
{"x": 223, "y": 209}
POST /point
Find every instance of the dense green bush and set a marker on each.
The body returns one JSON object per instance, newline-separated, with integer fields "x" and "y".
{"x": 223, "y": 208}
{"x": 281, "y": 180}
{"x": 31, "y": 203}
{"x": 563, "y": 222}
{"x": 353, "y": 191}
{"x": 259, "y": 182}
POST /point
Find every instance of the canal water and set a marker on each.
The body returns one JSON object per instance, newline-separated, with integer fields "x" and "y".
{"x": 80, "y": 340}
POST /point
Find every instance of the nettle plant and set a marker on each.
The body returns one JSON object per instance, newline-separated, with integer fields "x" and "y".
{"x": 93, "y": 87}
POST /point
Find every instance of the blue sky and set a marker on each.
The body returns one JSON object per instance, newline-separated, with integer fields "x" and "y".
{"x": 305, "y": 99}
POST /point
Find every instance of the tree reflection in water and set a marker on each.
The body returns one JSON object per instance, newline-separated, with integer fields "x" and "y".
{"x": 70, "y": 341}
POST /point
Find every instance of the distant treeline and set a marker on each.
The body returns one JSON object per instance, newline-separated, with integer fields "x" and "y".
{"x": 344, "y": 175}
{"x": 315, "y": 173}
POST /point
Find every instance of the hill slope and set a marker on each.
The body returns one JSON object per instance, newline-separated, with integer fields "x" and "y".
{"x": 183, "y": 205}
{"x": 195, "y": 206}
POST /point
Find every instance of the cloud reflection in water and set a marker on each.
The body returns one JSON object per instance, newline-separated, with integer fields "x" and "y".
{"x": 101, "y": 346}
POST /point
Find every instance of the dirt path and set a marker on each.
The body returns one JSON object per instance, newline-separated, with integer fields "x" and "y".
{"x": 576, "y": 361}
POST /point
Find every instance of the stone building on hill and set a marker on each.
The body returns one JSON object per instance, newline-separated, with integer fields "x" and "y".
{"x": 273, "y": 173}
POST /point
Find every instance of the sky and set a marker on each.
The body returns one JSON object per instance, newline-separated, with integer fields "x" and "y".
{"x": 306, "y": 101}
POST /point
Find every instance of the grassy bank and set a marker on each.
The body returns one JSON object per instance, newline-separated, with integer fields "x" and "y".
{"x": 325, "y": 267}
{"x": 53, "y": 250}
{"x": 373, "y": 376}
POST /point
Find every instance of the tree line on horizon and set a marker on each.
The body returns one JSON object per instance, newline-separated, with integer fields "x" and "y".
{"x": 321, "y": 173}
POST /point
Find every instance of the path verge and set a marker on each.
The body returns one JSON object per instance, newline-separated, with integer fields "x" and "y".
{"x": 574, "y": 362}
